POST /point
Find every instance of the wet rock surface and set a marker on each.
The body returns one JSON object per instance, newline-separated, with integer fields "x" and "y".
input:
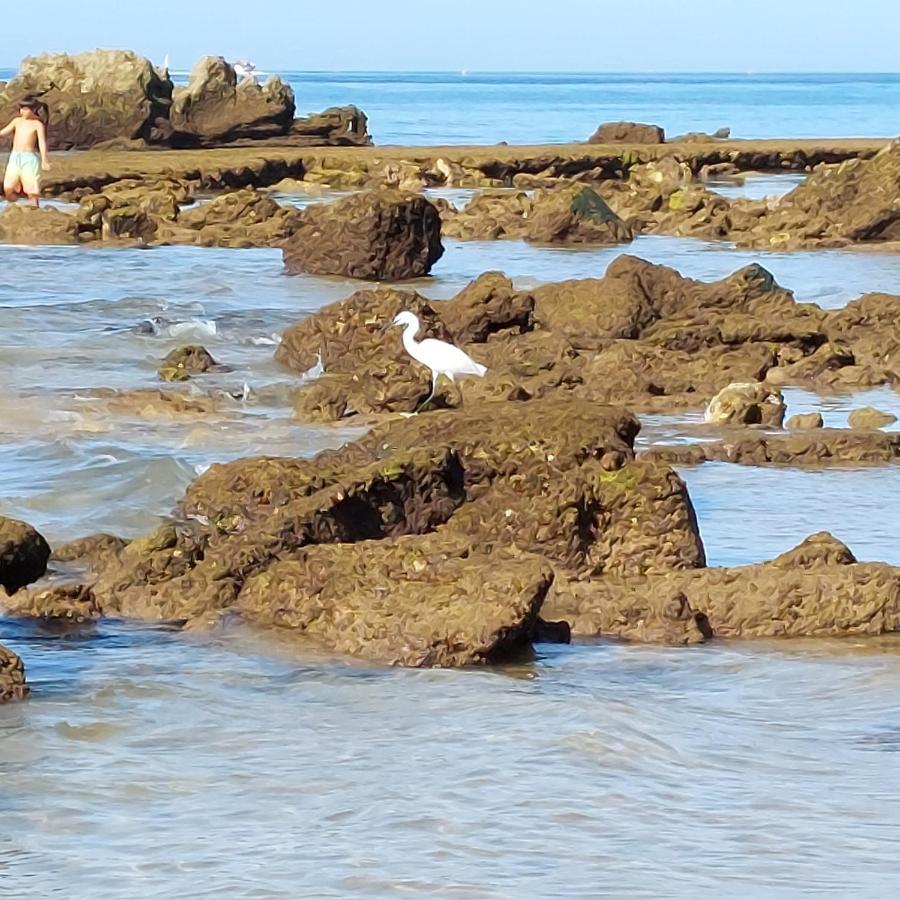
{"x": 28, "y": 225}
{"x": 747, "y": 404}
{"x": 869, "y": 419}
{"x": 12, "y": 677}
{"x": 377, "y": 235}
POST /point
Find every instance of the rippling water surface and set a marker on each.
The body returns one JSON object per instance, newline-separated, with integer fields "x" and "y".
{"x": 151, "y": 764}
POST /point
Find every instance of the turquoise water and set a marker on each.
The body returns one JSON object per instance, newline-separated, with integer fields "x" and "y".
{"x": 452, "y": 108}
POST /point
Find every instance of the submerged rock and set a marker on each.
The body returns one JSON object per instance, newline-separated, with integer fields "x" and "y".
{"x": 373, "y": 235}
{"x": 12, "y": 676}
{"x": 183, "y": 362}
{"x": 23, "y": 555}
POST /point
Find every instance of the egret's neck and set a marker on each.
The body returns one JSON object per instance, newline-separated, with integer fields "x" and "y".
{"x": 409, "y": 336}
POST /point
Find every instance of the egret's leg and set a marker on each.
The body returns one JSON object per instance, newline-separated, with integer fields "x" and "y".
{"x": 430, "y": 397}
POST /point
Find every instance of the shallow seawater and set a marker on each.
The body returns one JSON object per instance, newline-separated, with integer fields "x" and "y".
{"x": 149, "y": 763}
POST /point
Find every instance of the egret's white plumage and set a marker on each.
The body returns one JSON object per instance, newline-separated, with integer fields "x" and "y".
{"x": 439, "y": 356}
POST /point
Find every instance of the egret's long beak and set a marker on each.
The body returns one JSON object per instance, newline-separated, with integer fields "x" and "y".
{"x": 386, "y": 327}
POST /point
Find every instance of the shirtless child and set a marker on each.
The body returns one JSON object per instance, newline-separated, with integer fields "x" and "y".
{"x": 29, "y": 153}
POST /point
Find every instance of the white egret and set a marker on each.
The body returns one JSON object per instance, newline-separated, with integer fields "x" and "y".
{"x": 439, "y": 356}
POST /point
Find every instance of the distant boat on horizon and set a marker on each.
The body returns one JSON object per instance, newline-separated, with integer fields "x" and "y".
{"x": 244, "y": 68}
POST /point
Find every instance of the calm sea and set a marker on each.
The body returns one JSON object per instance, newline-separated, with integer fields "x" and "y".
{"x": 521, "y": 108}
{"x": 152, "y": 764}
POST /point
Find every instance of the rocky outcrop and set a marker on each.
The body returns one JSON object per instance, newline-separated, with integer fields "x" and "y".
{"x": 373, "y": 235}
{"x": 568, "y": 215}
{"x": 750, "y": 403}
{"x": 21, "y": 224}
{"x": 93, "y": 97}
{"x": 641, "y": 335}
{"x": 95, "y": 550}
{"x": 627, "y": 133}
{"x": 12, "y": 677}
{"x": 23, "y": 555}
{"x": 337, "y": 126}
{"x": 115, "y": 99}
{"x": 430, "y": 541}
{"x": 815, "y": 591}
{"x": 217, "y": 108}
{"x": 857, "y": 201}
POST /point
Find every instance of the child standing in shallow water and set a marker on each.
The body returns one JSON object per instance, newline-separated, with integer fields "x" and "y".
{"x": 29, "y": 153}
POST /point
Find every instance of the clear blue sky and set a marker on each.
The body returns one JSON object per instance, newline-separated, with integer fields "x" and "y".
{"x": 479, "y": 35}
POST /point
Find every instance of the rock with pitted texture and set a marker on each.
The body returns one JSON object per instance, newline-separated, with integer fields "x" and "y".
{"x": 93, "y": 97}
{"x": 373, "y": 235}
{"x": 337, "y": 126}
{"x": 12, "y": 677}
{"x": 23, "y": 555}
{"x": 216, "y": 107}
{"x": 627, "y": 133}
{"x": 419, "y": 602}
{"x": 96, "y": 550}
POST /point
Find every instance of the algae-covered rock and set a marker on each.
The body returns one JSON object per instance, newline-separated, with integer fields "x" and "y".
{"x": 23, "y": 555}
{"x": 572, "y": 214}
{"x": 409, "y": 601}
{"x": 183, "y": 362}
{"x": 373, "y": 235}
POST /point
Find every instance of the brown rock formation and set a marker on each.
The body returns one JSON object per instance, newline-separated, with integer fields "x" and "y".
{"x": 573, "y": 214}
{"x": 29, "y": 225}
{"x": 12, "y": 677}
{"x": 374, "y": 235}
{"x": 814, "y": 591}
{"x": 627, "y": 133}
{"x": 217, "y": 108}
{"x": 93, "y": 97}
{"x": 183, "y": 362}
{"x": 23, "y": 555}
